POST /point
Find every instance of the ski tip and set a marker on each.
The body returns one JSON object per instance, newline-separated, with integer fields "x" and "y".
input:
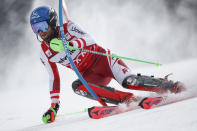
{"x": 148, "y": 102}
{"x": 98, "y": 112}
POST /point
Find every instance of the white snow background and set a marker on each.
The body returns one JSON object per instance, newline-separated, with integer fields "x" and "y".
{"x": 143, "y": 30}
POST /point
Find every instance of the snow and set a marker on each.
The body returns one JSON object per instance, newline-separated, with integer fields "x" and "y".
{"x": 21, "y": 110}
{"x": 24, "y": 96}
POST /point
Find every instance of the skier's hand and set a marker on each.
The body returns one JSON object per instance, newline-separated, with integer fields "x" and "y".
{"x": 56, "y": 45}
{"x": 50, "y": 115}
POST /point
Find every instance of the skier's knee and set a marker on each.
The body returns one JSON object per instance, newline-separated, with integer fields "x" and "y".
{"x": 76, "y": 84}
{"x": 80, "y": 89}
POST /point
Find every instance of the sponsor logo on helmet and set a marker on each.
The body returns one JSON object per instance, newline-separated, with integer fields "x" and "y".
{"x": 35, "y": 15}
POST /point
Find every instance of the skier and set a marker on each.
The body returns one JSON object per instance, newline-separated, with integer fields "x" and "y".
{"x": 97, "y": 70}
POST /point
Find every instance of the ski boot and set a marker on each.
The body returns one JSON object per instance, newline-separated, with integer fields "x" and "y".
{"x": 177, "y": 87}
{"x": 149, "y": 83}
{"x": 50, "y": 115}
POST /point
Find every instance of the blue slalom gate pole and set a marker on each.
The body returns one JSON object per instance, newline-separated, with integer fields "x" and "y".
{"x": 70, "y": 59}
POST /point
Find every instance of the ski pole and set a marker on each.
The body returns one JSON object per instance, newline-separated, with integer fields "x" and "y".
{"x": 78, "y": 112}
{"x": 112, "y": 55}
{"x": 101, "y": 101}
{"x": 65, "y": 11}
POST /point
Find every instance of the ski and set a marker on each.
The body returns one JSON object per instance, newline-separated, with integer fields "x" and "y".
{"x": 98, "y": 112}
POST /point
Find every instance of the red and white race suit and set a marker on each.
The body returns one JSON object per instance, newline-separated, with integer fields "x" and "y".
{"x": 95, "y": 69}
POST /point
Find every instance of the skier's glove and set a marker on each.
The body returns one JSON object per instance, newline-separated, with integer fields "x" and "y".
{"x": 50, "y": 115}
{"x": 57, "y": 45}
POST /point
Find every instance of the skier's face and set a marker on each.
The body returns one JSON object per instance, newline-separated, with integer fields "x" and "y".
{"x": 47, "y": 34}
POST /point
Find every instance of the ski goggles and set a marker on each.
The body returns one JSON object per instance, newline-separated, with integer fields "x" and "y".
{"x": 41, "y": 26}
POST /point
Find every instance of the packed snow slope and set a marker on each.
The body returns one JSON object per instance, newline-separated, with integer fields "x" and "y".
{"x": 162, "y": 31}
{"x": 22, "y": 109}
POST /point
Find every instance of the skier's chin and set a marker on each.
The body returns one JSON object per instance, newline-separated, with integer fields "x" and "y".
{"x": 46, "y": 38}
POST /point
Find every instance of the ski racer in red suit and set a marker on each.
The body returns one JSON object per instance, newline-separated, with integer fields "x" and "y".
{"x": 97, "y": 70}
